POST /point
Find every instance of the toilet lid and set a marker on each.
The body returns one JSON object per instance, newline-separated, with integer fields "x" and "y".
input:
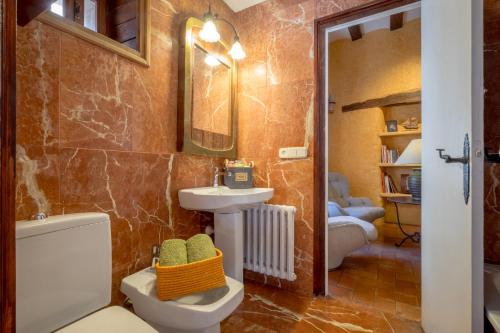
{"x": 114, "y": 319}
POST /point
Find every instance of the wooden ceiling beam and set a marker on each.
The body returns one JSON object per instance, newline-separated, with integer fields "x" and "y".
{"x": 396, "y": 21}
{"x": 355, "y": 32}
{"x": 405, "y": 98}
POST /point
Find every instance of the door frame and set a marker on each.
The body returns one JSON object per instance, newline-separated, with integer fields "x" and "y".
{"x": 320, "y": 269}
{"x": 7, "y": 166}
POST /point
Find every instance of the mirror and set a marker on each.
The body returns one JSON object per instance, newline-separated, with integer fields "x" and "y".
{"x": 207, "y": 83}
{"x": 121, "y": 26}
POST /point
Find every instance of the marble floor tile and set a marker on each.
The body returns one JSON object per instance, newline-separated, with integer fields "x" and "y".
{"x": 377, "y": 289}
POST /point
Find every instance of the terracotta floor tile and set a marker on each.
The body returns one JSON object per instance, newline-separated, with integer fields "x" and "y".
{"x": 366, "y": 296}
{"x": 348, "y": 281}
{"x": 340, "y": 292}
{"x": 334, "y": 276}
{"x": 387, "y": 293}
{"x": 405, "y": 287}
{"x": 386, "y": 275}
{"x": 385, "y": 305}
{"x": 410, "y": 277}
{"x": 386, "y": 285}
{"x": 364, "y": 283}
{"x": 409, "y": 312}
{"x": 407, "y": 299}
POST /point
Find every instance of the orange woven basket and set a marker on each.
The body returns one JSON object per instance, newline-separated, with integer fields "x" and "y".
{"x": 181, "y": 280}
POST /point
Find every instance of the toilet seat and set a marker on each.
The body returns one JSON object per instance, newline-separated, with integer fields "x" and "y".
{"x": 114, "y": 319}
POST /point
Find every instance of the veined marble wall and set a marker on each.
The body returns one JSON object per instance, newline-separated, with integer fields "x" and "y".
{"x": 492, "y": 130}
{"x": 97, "y": 132}
{"x": 276, "y": 109}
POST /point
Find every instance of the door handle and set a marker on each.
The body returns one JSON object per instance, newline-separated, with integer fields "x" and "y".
{"x": 448, "y": 159}
{"x": 465, "y": 160}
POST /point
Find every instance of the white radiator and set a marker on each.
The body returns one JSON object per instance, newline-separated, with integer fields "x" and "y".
{"x": 268, "y": 240}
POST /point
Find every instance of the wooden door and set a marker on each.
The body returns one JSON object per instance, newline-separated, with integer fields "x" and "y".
{"x": 7, "y": 165}
{"x": 452, "y": 107}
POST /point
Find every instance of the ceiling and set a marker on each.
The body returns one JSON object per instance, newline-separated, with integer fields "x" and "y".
{"x": 382, "y": 23}
{"x": 239, "y": 5}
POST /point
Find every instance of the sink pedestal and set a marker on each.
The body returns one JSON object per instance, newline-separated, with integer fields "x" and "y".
{"x": 227, "y": 205}
{"x": 229, "y": 239}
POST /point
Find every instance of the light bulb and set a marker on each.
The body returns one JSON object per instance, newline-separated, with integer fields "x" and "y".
{"x": 211, "y": 61}
{"x": 209, "y": 32}
{"x": 237, "y": 52}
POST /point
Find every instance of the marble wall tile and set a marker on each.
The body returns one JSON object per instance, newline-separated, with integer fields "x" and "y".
{"x": 131, "y": 188}
{"x": 38, "y": 181}
{"x": 97, "y": 132}
{"x": 329, "y": 7}
{"x": 37, "y": 75}
{"x": 492, "y": 213}
{"x": 275, "y": 104}
{"x": 292, "y": 181}
{"x": 94, "y": 112}
{"x": 492, "y": 131}
{"x": 113, "y": 127}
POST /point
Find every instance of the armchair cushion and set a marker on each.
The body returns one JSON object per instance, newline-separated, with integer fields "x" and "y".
{"x": 334, "y": 195}
{"x": 340, "y": 183}
{"x": 334, "y": 209}
{"x": 360, "y": 201}
{"x": 365, "y": 213}
{"x": 338, "y": 192}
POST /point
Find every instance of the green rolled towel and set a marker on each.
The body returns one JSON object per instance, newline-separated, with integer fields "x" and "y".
{"x": 173, "y": 252}
{"x": 200, "y": 247}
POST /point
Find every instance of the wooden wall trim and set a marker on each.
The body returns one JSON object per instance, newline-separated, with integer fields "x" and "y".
{"x": 7, "y": 167}
{"x": 320, "y": 26}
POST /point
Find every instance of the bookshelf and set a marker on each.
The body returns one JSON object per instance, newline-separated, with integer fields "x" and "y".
{"x": 401, "y": 133}
{"x": 395, "y": 144}
{"x": 392, "y": 165}
{"x": 395, "y": 195}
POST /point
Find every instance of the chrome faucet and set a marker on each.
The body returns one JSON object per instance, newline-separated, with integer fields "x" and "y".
{"x": 217, "y": 174}
{"x": 155, "y": 255}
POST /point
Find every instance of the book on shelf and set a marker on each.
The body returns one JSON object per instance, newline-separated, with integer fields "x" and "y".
{"x": 388, "y": 155}
{"x": 388, "y": 185}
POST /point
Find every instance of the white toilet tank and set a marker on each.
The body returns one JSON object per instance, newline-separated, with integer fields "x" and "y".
{"x": 63, "y": 270}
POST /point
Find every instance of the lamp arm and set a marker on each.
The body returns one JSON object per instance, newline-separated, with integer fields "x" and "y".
{"x": 232, "y": 26}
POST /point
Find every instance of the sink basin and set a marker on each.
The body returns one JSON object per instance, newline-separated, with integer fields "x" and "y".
{"x": 222, "y": 198}
{"x": 227, "y": 205}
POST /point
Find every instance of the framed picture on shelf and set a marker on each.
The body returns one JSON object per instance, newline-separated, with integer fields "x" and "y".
{"x": 392, "y": 125}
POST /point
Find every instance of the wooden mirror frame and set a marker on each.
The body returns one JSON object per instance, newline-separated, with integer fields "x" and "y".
{"x": 185, "y": 96}
{"x": 142, "y": 56}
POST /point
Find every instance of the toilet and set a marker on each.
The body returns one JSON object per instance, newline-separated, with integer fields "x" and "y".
{"x": 196, "y": 313}
{"x": 63, "y": 284}
{"x": 63, "y": 277}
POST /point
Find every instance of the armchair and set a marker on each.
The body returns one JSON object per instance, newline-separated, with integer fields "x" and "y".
{"x": 340, "y": 202}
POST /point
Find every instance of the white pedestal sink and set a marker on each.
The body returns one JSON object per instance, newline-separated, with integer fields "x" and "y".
{"x": 226, "y": 204}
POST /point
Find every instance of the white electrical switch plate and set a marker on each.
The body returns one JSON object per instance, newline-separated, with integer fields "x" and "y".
{"x": 293, "y": 152}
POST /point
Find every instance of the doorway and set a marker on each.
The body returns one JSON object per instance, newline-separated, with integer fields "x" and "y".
{"x": 373, "y": 149}
{"x": 451, "y": 80}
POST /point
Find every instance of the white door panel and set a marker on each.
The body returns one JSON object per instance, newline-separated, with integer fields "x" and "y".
{"x": 451, "y": 107}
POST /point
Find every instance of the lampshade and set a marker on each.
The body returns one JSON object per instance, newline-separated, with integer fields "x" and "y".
{"x": 412, "y": 153}
{"x": 237, "y": 52}
{"x": 209, "y": 32}
{"x": 211, "y": 61}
